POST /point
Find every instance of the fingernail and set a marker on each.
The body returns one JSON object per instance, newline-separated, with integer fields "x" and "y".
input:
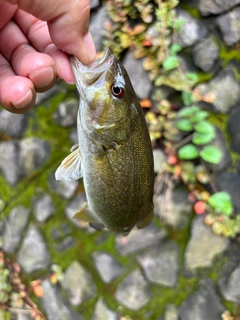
{"x": 90, "y": 47}
{"x": 24, "y": 101}
{"x": 42, "y": 78}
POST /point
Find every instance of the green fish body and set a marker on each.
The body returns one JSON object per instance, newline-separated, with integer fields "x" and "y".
{"x": 114, "y": 155}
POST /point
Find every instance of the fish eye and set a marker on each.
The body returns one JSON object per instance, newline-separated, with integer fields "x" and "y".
{"x": 117, "y": 90}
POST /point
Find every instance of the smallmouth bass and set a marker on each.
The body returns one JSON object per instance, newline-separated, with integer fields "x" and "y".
{"x": 114, "y": 155}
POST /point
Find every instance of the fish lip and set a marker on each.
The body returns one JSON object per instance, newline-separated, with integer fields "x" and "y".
{"x": 88, "y": 74}
{"x": 100, "y": 65}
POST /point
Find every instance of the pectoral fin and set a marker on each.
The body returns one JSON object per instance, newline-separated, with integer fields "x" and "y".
{"x": 70, "y": 168}
{"x": 86, "y": 214}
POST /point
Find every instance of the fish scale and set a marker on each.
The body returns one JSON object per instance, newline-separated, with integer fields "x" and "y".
{"x": 114, "y": 156}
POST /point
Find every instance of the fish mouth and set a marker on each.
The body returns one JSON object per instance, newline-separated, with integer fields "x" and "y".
{"x": 88, "y": 74}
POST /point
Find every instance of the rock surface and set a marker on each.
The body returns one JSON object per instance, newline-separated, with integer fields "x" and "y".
{"x": 160, "y": 264}
{"x": 55, "y": 306}
{"x": 9, "y": 161}
{"x": 203, "y": 304}
{"x": 138, "y": 76}
{"x": 192, "y": 30}
{"x": 13, "y": 228}
{"x": 202, "y": 256}
{"x": 223, "y": 91}
{"x": 228, "y": 24}
{"x": 229, "y": 286}
{"x": 101, "y": 311}
{"x": 78, "y": 284}
{"x": 208, "y": 7}
{"x": 136, "y": 289}
{"x": 43, "y": 208}
{"x": 33, "y": 152}
{"x": 33, "y": 254}
{"x": 107, "y": 266}
{"x": 205, "y": 54}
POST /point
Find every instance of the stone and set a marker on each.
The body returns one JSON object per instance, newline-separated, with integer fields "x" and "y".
{"x": 208, "y": 7}
{"x": 229, "y": 182}
{"x": 171, "y": 312}
{"x": 107, "y": 266}
{"x": 66, "y": 243}
{"x": 205, "y": 54}
{"x": 33, "y": 254}
{"x": 158, "y": 159}
{"x": 13, "y": 228}
{"x": 61, "y": 232}
{"x": 192, "y": 30}
{"x": 54, "y": 305}
{"x": 9, "y": 161}
{"x": 223, "y": 89}
{"x": 96, "y": 26}
{"x": 229, "y": 286}
{"x": 101, "y": 311}
{"x": 78, "y": 284}
{"x": 94, "y": 4}
{"x": 138, "y": 76}
{"x": 74, "y": 136}
{"x": 65, "y": 189}
{"x": 176, "y": 210}
{"x": 160, "y": 264}
{"x": 133, "y": 292}
{"x": 33, "y": 152}
{"x": 66, "y": 113}
{"x": 234, "y": 129}
{"x": 203, "y": 246}
{"x": 204, "y": 304}
{"x": 229, "y": 26}
{"x": 13, "y": 124}
{"x": 133, "y": 242}
{"x": 43, "y": 208}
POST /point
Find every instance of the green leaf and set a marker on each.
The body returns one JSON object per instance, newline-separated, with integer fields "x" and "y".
{"x": 188, "y": 152}
{"x": 170, "y": 63}
{"x": 221, "y": 202}
{"x": 188, "y": 111}
{"x": 175, "y": 48}
{"x": 192, "y": 76}
{"x": 202, "y": 138}
{"x": 184, "y": 125}
{"x": 211, "y": 154}
{"x": 204, "y": 126}
{"x": 200, "y": 115}
{"x": 159, "y": 81}
{"x": 187, "y": 97}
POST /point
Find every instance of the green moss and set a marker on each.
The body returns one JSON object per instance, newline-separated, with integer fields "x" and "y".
{"x": 192, "y": 10}
{"x": 204, "y": 77}
{"x": 227, "y": 54}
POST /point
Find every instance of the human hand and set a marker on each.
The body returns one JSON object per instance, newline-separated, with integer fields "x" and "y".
{"x": 35, "y": 38}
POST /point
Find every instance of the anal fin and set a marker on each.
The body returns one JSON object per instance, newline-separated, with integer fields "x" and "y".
{"x": 86, "y": 215}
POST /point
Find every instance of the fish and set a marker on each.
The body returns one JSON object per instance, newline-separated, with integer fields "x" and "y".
{"x": 114, "y": 152}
